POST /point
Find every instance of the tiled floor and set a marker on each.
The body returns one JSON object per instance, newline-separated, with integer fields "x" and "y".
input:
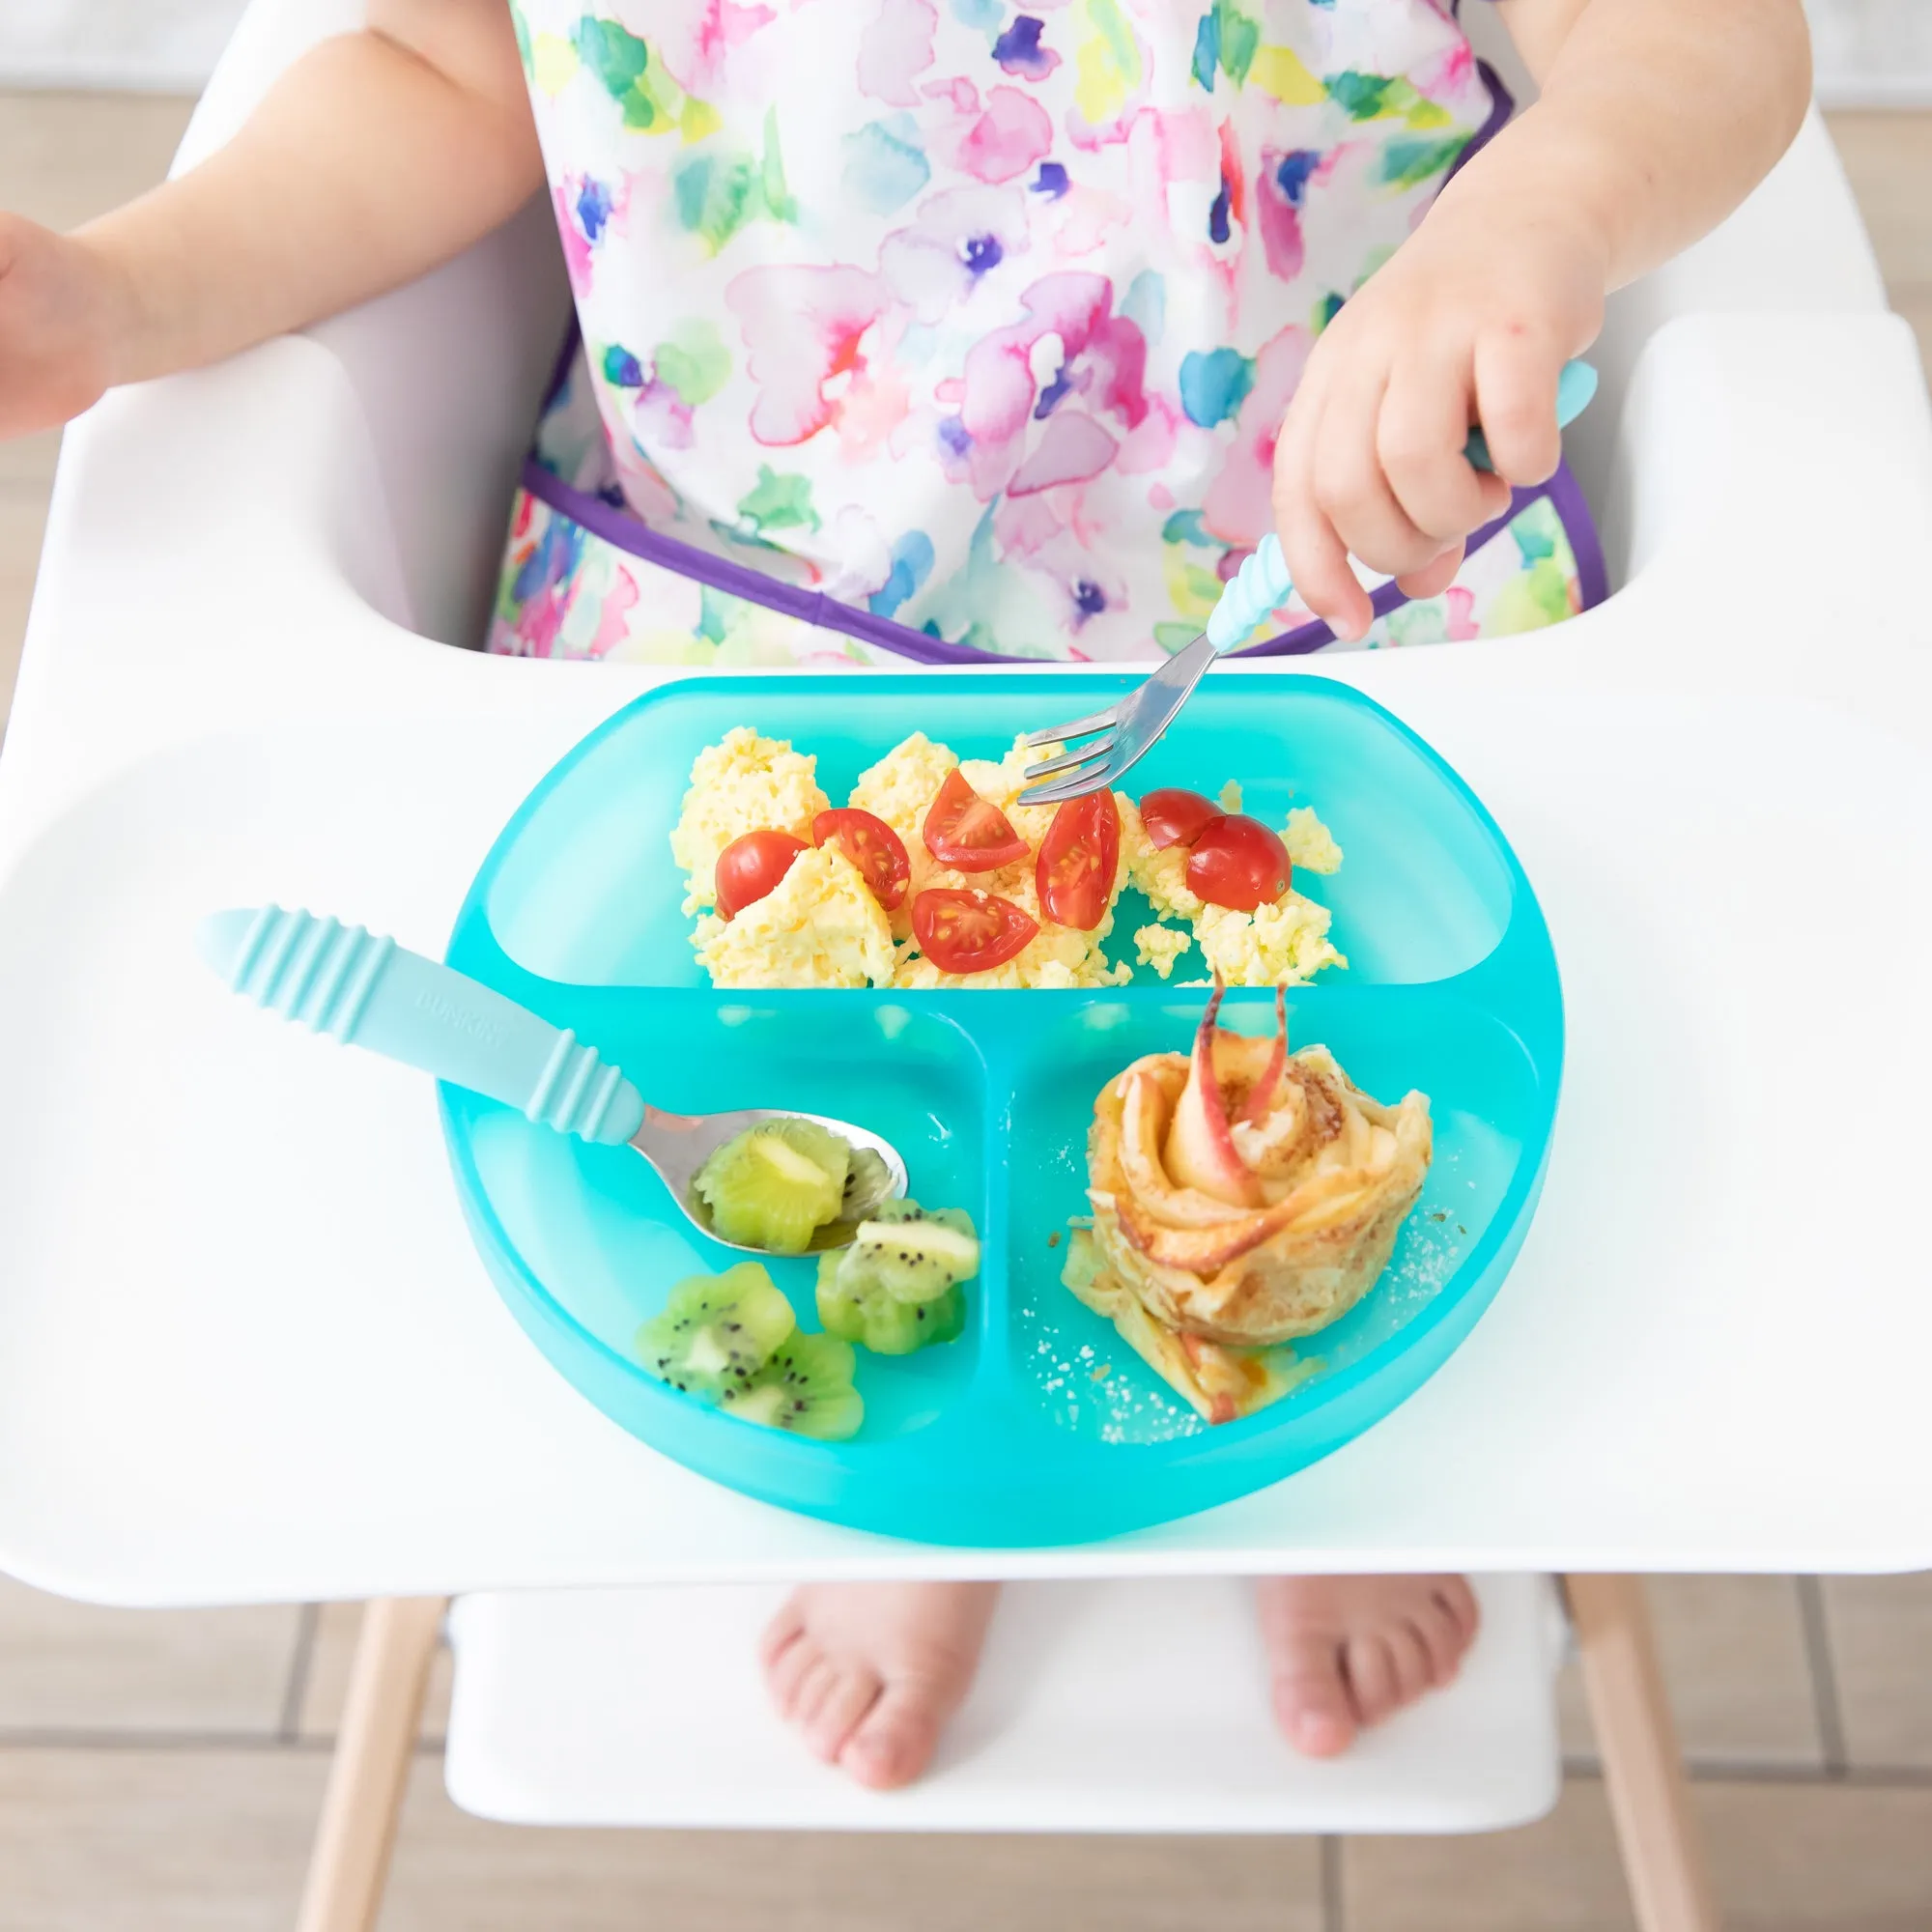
{"x": 160, "y": 1772}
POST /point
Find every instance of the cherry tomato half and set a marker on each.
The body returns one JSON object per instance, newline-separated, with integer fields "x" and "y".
{"x": 751, "y": 866}
{"x": 1174, "y": 818}
{"x": 872, "y": 845}
{"x": 1078, "y": 858}
{"x": 969, "y": 932}
{"x": 963, "y": 830}
{"x": 1238, "y": 861}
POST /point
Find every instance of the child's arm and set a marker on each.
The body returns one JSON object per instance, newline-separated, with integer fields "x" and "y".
{"x": 1656, "y": 118}
{"x": 376, "y": 156}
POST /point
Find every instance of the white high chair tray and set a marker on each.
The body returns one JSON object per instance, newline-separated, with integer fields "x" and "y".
{"x": 247, "y": 1352}
{"x": 647, "y": 1707}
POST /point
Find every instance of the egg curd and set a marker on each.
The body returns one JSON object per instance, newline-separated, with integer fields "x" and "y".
{"x": 742, "y": 783}
{"x": 1275, "y": 945}
{"x": 821, "y": 926}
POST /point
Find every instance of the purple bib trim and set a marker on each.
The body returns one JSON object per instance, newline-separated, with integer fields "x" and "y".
{"x": 632, "y": 536}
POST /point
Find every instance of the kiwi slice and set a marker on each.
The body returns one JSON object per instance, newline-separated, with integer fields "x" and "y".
{"x": 911, "y": 1253}
{"x": 717, "y": 1331}
{"x": 881, "y": 1321}
{"x": 776, "y": 1185}
{"x": 806, "y": 1388}
{"x": 868, "y": 1182}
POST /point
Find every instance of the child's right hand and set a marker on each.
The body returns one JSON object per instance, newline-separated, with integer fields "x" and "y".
{"x": 60, "y": 311}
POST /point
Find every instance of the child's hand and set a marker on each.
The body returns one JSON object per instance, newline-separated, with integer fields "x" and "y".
{"x": 1471, "y": 322}
{"x": 58, "y": 305}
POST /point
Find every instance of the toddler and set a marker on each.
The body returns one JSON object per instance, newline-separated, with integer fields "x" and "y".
{"x": 1008, "y": 326}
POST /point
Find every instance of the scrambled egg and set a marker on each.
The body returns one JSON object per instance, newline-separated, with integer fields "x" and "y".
{"x": 901, "y": 788}
{"x": 742, "y": 783}
{"x": 1311, "y": 845}
{"x": 1288, "y": 941}
{"x": 820, "y": 927}
{"x": 1056, "y": 956}
{"x": 1161, "y": 875}
{"x": 1159, "y": 946}
{"x": 1284, "y": 941}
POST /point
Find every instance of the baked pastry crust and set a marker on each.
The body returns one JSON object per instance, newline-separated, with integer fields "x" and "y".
{"x": 1243, "y": 1196}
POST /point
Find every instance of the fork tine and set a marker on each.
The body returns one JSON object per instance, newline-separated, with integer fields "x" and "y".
{"x": 1091, "y": 778}
{"x": 1080, "y": 727}
{"x": 1066, "y": 760}
{"x": 1065, "y": 789}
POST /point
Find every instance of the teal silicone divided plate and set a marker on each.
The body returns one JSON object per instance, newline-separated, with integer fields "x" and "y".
{"x": 1039, "y": 1425}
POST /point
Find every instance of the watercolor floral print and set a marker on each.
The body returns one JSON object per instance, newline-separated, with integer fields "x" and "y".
{"x": 977, "y": 319}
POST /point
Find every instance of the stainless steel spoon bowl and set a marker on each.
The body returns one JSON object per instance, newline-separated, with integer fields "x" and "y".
{"x": 679, "y": 1145}
{"x": 369, "y": 993}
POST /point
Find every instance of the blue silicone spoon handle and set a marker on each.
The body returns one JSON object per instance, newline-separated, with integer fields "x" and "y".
{"x": 1262, "y": 584}
{"x": 370, "y": 992}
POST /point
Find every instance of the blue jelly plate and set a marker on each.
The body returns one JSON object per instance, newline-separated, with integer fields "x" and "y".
{"x": 1039, "y": 1425}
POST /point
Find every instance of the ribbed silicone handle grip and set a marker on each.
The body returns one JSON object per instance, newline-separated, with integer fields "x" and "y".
{"x": 370, "y": 992}
{"x": 1262, "y": 585}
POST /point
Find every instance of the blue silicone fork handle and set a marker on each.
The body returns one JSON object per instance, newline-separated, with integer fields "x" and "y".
{"x": 1262, "y": 584}
{"x": 370, "y": 992}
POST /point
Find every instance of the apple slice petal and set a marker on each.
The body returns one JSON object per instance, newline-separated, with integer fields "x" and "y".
{"x": 1201, "y": 1152}
{"x": 1261, "y": 1096}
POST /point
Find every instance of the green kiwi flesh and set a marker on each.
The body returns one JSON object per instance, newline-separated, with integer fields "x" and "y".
{"x": 805, "y": 1388}
{"x": 776, "y": 1185}
{"x": 717, "y": 1331}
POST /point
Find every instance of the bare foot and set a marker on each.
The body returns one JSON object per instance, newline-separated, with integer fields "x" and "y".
{"x": 1344, "y": 1652}
{"x": 869, "y": 1672}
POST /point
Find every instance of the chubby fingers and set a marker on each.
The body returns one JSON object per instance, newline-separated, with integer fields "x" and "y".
{"x": 1372, "y": 467}
{"x": 1316, "y": 555}
{"x": 1517, "y": 371}
{"x": 1420, "y": 437}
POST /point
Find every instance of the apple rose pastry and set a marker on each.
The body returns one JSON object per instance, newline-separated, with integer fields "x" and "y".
{"x": 1243, "y": 1196}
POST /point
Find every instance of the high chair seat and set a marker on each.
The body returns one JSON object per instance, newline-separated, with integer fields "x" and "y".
{"x": 1132, "y": 1706}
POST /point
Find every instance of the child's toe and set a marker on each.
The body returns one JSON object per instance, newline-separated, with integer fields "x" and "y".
{"x": 1311, "y": 1700}
{"x": 1373, "y": 1685}
{"x": 784, "y": 1631}
{"x": 850, "y": 1692}
{"x": 788, "y": 1673}
{"x": 1413, "y": 1660}
{"x": 814, "y": 1688}
{"x": 894, "y": 1739}
{"x": 1456, "y": 1602}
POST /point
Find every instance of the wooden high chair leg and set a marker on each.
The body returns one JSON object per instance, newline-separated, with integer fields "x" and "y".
{"x": 1644, "y": 1768}
{"x": 350, "y": 1862}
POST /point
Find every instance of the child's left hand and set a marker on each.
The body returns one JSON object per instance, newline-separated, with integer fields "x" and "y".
{"x": 1471, "y": 322}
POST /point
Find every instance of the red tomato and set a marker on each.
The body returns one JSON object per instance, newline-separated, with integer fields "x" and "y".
{"x": 872, "y": 845}
{"x": 1238, "y": 861}
{"x": 1075, "y": 873}
{"x": 970, "y": 931}
{"x": 1174, "y": 818}
{"x": 963, "y": 830}
{"x": 751, "y": 866}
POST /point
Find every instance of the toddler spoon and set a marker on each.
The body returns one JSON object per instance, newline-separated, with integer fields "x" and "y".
{"x": 370, "y": 992}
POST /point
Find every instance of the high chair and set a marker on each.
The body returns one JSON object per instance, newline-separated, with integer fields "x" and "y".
{"x": 230, "y": 693}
